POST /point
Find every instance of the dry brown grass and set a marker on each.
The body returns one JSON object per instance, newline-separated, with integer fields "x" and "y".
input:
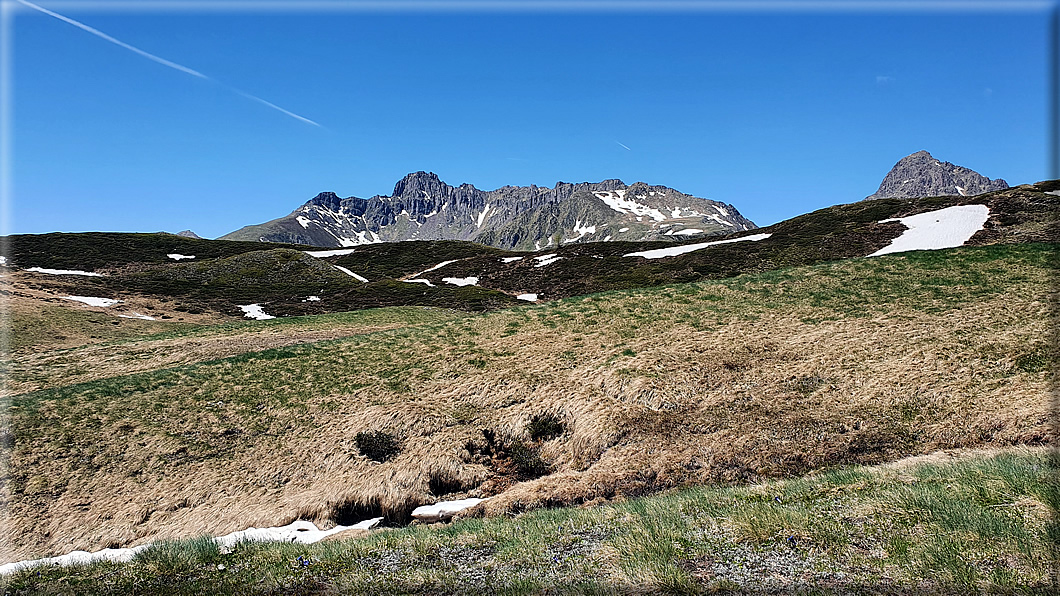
{"x": 654, "y": 399}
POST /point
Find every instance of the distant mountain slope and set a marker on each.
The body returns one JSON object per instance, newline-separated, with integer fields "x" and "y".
{"x": 218, "y": 276}
{"x": 921, "y": 175}
{"x": 422, "y": 207}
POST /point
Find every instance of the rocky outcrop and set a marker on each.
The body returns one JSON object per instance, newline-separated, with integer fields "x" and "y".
{"x": 423, "y": 207}
{"x": 921, "y": 175}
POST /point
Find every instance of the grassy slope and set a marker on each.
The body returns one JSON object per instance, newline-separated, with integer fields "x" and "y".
{"x": 736, "y": 380}
{"x": 979, "y": 521}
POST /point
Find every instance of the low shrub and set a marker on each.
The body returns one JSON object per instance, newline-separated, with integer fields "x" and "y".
{"x": 377, "y": 445}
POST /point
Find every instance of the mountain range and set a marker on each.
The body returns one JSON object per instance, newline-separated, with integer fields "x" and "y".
{"x": 423, "y": 207}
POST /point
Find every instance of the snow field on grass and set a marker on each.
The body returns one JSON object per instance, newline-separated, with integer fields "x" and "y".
{"x": 438, "y": 266}
{"x": 177, "y": 256}
{"x": 659, "y": 253}
{"x": 92, "y": 301}
{"x": 303, "y": 532}
{"x": 329, "y": 253}
{"x": 527, "y": 297}
{"x": 350, "y": 273}
{"x": 443, "y": 510}
{"x": 419, "y": 281}
{"x": 547, "y": 259}
{"x": 510, "y": 259}
{"x": 137, "y": 315}
{"x": 943, "y": 228}
{"x": 461, "y": 281}
{"x": 254, "y": 311}
{"x": 63, "y": 272}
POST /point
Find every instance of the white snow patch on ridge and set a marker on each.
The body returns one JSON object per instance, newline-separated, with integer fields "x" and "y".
{"x": 482, "y": 216}
{"x": 622, "y": 205}
{"x": 659, "y": 253}
{"x": 303, "y": 220}
{"x": 527, "y": 297}
{"x": 419, "y": 281}
{"x": 547, "y": 259}
{"x": 254, "y": 311}
{"x": 137, "y": 315}
{"x": 178, "y": 257}
{"x": 438, "y": 266}
{"x": 510, "y": 259}
{"x": 350, "y": 273}
{"x": 943, "y": 228}
{"x": 91, "y": 301}
{"x": 329, "y": 253}
{"x": 461, "y": 281}
{"x": 63, "y": 272}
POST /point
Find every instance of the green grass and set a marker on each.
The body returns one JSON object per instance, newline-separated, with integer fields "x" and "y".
{"x": 976, "y": 524}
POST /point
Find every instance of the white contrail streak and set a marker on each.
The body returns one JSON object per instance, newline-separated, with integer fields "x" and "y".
{"x": 624, "y": 147}
{"x": 160, "y": 60}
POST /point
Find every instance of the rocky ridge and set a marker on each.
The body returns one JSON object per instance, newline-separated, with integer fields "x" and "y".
{"x": 921, "y": 175}
{"x": 423, "y": 207}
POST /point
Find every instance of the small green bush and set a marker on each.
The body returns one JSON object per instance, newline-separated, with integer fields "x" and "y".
{"x": 377, "y": 445}
{"x": 543, "y": 427}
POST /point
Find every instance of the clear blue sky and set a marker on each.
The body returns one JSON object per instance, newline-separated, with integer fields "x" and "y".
{"x": 776, "y": 113}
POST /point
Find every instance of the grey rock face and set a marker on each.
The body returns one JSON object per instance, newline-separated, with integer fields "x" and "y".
{"x": 189, "y": 234}
{"x": 422, "y": 207}
{"x": 921, "y": 175}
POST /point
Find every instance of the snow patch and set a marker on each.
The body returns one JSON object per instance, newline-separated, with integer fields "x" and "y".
{"x": 303, "y": 532}
{"x": 527, "y": 297}
{"x": 419, "y": 281}
{"x": 438, "y": 266}
{"x": 304, "y": 221}
{"x": 179, "y": 257}
{"x": 618, "y": 202}
{"x": 350, "y": 273}
{"x": 461, "y": 281}
{"x": 443, "y": 510}
{"x": 312, "y": 299}
{"x": 943, "y": 228}
{"x": 63, "y": 272}
{"x": 329, "y": 253}
{"x": 510, "y": 259}
{"x": 3, "y": 261}
{"x": 91, "y": 301}
{"x": 687, "y": 232}
{"x": 254, "y": 311}
{"x": 623, "y": 230}
{"x": 546, "y": 259}
{"x": 137, "y": 315}
{"x": 680, "y": 250}
{"x": 482, "y": 216}
{"x": 722, "y": 210}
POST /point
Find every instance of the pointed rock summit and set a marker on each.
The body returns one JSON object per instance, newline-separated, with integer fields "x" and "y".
{"x": 921, "y": 175}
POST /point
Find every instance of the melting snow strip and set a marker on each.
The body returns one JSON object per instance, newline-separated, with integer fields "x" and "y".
{"x": 178, "y": 256}
{"x": 461, "y": 281}
{"x": 659, "y": 253}
{"x": 418, "y": 281}
{"x": 92, "y": 301}
{"x": 254, "y": 311}
{"x": 63, "y": 272}
{"x": 329, "y": 253}
{"x": 438, "y": 266}
{"x": 302, "y": 532}
{"x": 943, "y": 228}
{"x": 510, "y": 259}
{"x": 527, "y": 297}
{"x": 350, "y": 273}
{"x": 443, "y": 510}
{"x": 137, "y": 315}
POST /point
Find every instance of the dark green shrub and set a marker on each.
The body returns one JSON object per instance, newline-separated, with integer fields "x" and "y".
{"x": 377, "y": 445}
{"x": 543, "y": 427}
{"x": 527, "y": 461}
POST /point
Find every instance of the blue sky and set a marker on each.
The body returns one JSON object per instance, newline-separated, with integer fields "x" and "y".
{"x": 778, "y": 113}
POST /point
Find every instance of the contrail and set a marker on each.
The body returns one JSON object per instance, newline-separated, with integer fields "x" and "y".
{"x": 623, "y": 146}
{"x": 161, "y": 60}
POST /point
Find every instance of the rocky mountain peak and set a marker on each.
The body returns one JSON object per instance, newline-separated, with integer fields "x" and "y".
{"x": 921, "y": 175}
{"x": 327, "y": 199}
{"x": 420, "y": 185}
